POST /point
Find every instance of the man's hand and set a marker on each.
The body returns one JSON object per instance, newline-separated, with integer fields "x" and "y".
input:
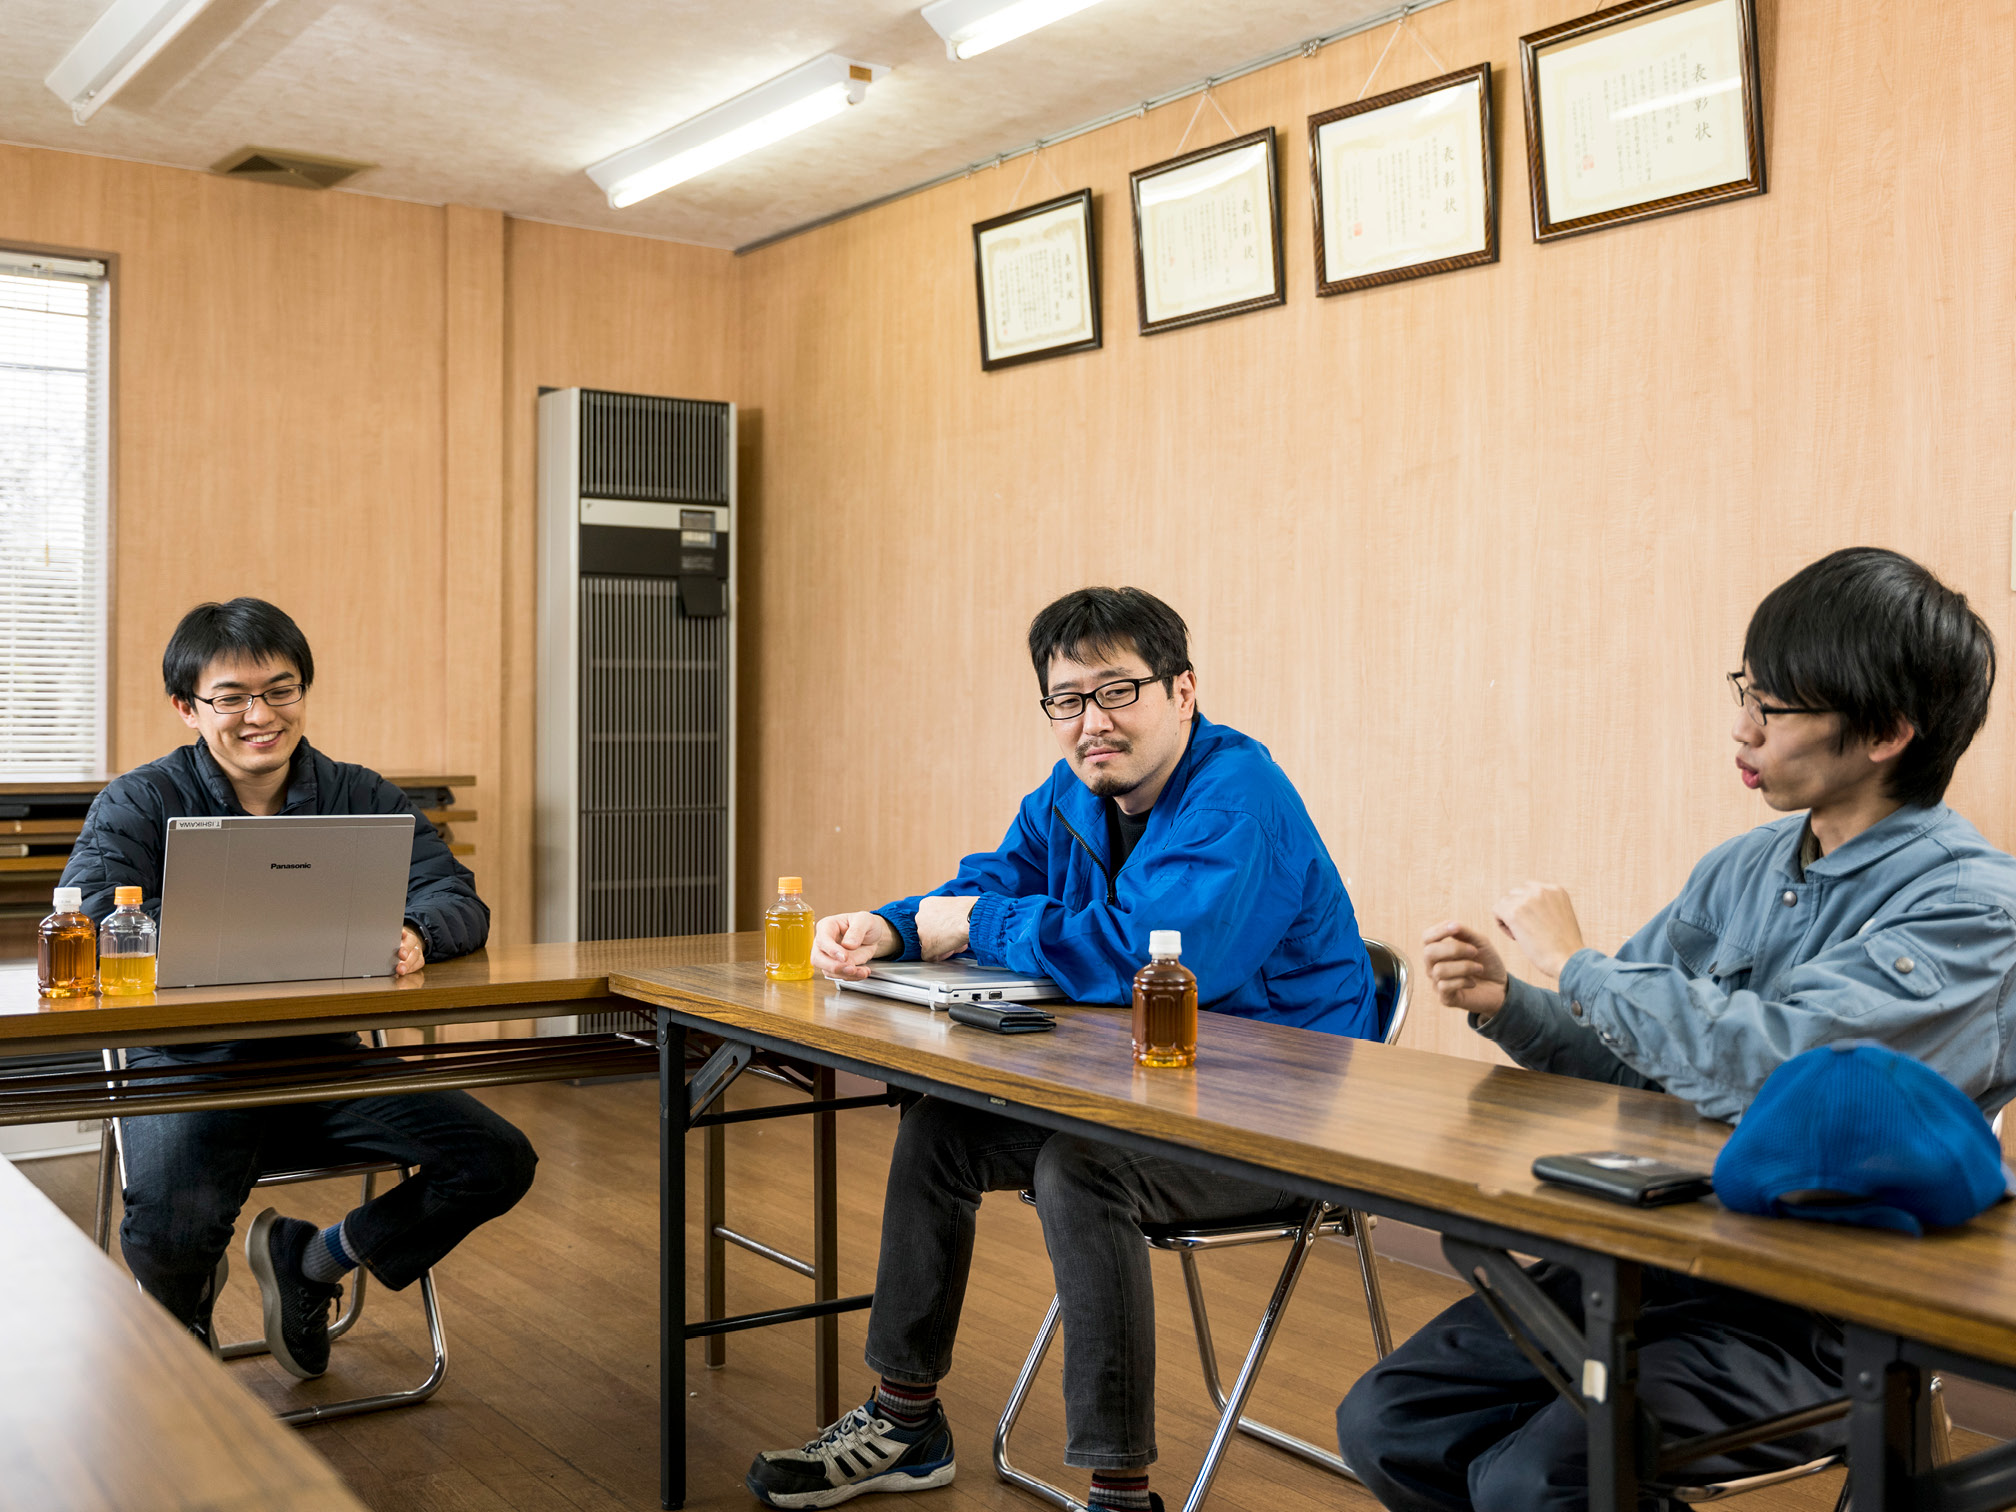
{"x": 1540, "y": 918}
{"x": 844, "y": 944}
{"x": 1466, "y": 971}
{"x": 941, "y": 926}
{"x": 412, "y": 954}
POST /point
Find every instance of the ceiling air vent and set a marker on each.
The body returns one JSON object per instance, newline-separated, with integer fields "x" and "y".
{"x": 298, "y": 170}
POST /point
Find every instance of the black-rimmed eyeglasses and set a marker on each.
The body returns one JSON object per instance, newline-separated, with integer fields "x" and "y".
{"x": 1113, "y": 695}
{"x": 238, "y": 703}
{"x": 1753, "y": 705}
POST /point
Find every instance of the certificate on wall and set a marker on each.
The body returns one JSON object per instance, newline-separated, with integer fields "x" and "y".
{"x": 1038, "y": 281}
{"x": 1641, "y": 110}
{"x": 1207, "y": 234}
{"x": 1403, "y": 183}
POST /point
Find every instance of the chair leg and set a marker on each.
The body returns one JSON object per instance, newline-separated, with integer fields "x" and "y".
{"x": 1231, "y": 1413}
{"x": 1208, "y": 1355}
{"x": 1368, "y": 1271}
{"x": 1016, "y": 1397}
{"x": 108, "y": 1169}
{"x": 322, "y": 1413}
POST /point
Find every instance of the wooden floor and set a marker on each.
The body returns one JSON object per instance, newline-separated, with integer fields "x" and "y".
{"x": 551, "y": 1315}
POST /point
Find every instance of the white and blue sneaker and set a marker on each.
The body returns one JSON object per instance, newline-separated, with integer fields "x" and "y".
{"x": 864, "y": 1451}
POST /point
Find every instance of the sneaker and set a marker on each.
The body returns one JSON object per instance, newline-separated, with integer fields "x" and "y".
{"x": 296, "y": 1308}
{"x": 864, "y": 1451}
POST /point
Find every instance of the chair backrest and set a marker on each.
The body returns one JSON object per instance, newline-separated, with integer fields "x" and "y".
{"x": 1389, "y": 974}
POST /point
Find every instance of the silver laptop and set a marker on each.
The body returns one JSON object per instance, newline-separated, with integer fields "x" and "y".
{"x": 293, "y": 898}
{"x": 940, "y": 984}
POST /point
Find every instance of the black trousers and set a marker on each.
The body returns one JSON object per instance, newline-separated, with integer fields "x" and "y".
{"x": 1456, "y": 1418}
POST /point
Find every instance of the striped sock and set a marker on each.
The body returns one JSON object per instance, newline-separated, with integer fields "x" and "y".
{"x": 327, "y": 1257}
{"x": 905, "y": 1405}
{"x": 1125, "y": 1493}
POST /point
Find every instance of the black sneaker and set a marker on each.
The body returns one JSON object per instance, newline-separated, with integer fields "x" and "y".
{"x": 296, "y": 1308}
{"x": 864, "y": 1451}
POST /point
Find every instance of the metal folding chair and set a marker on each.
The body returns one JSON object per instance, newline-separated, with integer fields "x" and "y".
{"x": 112, "y": 1168}
{"x": 1389, "y": 970}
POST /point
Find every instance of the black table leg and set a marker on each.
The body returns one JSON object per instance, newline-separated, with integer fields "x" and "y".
{"x": 825, "y": 1252}
{"x": 671, "y": 1263}
{"x": 1610, "y": 1296}
{"x": 1890, "y": 1423}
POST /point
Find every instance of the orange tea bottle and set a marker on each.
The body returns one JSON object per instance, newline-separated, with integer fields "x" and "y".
{"x": 1165, "y": 1005}
{"x": 66, "y": 948}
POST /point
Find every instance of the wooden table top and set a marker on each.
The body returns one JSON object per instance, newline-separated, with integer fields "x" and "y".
{"x": 1452, "y": 1135}
{"x": 473, "y": 989}
{"x": 106, "y": 1404}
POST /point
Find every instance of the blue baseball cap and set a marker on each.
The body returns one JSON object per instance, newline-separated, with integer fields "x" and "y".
{"x": 1855, "y": 1132}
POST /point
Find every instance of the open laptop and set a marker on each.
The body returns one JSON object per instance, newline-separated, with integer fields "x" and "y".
{"x": 292, "y": 898}
{"x": 940, "y": 984}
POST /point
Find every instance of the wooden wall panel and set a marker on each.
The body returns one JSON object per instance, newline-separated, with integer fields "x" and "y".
{"x": 1469, "y": 554}
{"x": 278, "y": 429}
{"x": 598, "y": 311}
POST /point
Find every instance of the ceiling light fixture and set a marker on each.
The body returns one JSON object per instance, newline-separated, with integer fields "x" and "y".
{"x": 120, "y": 43}
{"x": 972, "y": 27}
{"x": 768, "y": 113}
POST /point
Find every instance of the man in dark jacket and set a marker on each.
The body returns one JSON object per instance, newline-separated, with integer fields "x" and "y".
{"x": 239, "y": 675}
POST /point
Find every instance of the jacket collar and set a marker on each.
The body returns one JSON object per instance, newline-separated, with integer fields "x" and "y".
{"x": 1887, "y": 835}
{"x": 302, "y": 787}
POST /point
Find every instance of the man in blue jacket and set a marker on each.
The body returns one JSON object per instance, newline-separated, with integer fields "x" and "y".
{"x": 1155, "y": 819}
{"x": 239, "y": 675}
{"x": 1875, "y": 912}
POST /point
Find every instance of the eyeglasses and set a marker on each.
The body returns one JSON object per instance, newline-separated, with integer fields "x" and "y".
{"x": 238, "y": 703}
{"x": 1113, "y": 695}
{"x": 1757, "y": 709}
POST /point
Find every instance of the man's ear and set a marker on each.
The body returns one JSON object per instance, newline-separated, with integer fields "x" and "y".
{"x": 1891, "y": 746}
{"x": 1183, "y": 687}
{"x": 184, "y": 708}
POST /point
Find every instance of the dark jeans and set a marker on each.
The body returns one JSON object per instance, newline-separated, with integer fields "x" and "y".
{"x": 1456, "y": 1418}
{"x": 1092, "y": 1199}
{"x": 188, "y": 1174}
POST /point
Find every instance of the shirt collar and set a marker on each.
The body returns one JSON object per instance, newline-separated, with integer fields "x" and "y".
{"x": 1886, "y": 835}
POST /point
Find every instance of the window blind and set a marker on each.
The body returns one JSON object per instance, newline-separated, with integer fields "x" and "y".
{"x": 53, "y": 400}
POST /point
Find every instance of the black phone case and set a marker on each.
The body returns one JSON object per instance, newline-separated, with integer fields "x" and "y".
{"x": 1634, "y": 1179}
{"x": 1019, "y": 1019}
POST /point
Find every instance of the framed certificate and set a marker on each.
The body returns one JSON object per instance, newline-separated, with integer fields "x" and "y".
{"x": 1038, "y": 276}
{"x": 1404, "y": 183}
{"x": 1640, "y": 110}
{"x": 1207, "y": 234}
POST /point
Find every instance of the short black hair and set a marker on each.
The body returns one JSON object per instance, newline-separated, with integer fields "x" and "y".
{"x": 1099, "y": 621}
{"x": 243, "y": 627}
{"x": 1876, "y": 637}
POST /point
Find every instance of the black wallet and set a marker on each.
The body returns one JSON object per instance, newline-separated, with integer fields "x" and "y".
{"x": 1010, "y": 1018}
{"x": 1636, "y": 1179}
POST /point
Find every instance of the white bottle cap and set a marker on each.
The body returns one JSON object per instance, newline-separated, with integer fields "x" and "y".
{"x": 1165, "y": 942}
{"x": 69, "y": 899}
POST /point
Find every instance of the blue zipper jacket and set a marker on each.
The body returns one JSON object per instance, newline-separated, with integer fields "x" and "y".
{"x": 1229, "y": 857}
{"x": 1906, "y": 935}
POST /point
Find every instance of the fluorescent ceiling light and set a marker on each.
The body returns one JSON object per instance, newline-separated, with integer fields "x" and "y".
{"x": 971, "y": 27}
{"x": 768, "y": 113}
{"x": 120, "y": 43}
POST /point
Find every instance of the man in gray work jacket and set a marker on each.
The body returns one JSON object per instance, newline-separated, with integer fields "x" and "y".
{"x": 1878, "y": 913}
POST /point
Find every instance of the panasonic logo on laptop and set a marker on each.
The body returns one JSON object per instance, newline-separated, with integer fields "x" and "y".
{"x": 290, "y": 865}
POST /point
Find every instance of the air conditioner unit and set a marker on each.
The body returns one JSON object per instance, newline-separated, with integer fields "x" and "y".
{"x": 634, "y": 802}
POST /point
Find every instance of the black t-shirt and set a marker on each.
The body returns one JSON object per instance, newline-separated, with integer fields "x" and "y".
{"x": 1123, "y": 832}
